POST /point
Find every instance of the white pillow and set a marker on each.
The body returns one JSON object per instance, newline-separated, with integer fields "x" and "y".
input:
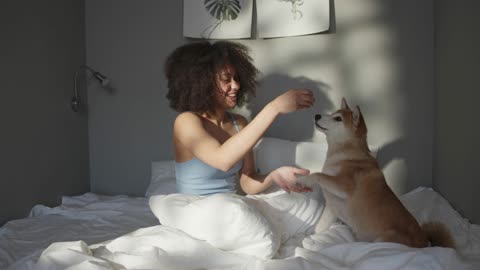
{"x": 311, "y": 155}
{"x": 226, "y": 221}
{"x": 272, "y": 153}
{"x": 162, "y": 180}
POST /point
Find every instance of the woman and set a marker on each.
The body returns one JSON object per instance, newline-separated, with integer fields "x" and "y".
{"x": 211, "y": 144}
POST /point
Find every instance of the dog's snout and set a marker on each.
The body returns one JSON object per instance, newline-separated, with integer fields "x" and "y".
{"x": 318, "y": 117}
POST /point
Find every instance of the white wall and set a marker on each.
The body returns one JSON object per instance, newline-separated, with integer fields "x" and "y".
{"x": 379, "y": 55}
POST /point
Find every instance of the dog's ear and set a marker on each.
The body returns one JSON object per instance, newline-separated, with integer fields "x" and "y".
{"x": 344, "y": 104}
{"x": 359, "y": 121}
{"x": 357, "y": 116}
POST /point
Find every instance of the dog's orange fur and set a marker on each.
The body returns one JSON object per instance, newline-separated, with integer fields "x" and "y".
{"x": 356, "y": 191}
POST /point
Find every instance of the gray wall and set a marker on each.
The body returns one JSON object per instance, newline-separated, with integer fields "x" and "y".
{"x": 43, "y": 144}
{"x": 457, "y": 94}
{"x": 378, "y": 54}
{"x": 130, "y": 125}
{"x": 381, "y": 55}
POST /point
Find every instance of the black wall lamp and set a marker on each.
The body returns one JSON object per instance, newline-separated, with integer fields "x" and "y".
{"x": 76, "y": 101}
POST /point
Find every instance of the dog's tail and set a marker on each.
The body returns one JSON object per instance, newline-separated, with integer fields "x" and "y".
{"x": 438, "y": 234}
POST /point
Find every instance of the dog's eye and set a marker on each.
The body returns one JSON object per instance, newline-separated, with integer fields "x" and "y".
{"x": 337, "y": 118}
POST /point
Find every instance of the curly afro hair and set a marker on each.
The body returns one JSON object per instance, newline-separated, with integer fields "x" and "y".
{"x": 191, "y": 72}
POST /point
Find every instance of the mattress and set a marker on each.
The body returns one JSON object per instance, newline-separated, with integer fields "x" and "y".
{"x": 90, "y": 217}
{"x": 120, "y": 232}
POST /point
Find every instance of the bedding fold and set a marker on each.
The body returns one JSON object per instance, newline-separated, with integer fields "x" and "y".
{"x": 165, "y": 247}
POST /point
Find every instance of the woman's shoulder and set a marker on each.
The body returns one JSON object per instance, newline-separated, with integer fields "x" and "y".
{"x": 187, "y": 118}
{"x": 187, "y": 115}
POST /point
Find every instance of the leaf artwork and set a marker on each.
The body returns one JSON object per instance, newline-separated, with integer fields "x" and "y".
{"x": 297, "y": 14}
{"x": 222, "y": 10}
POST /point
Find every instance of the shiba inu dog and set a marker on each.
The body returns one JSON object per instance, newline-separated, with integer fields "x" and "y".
{"x": 356, "y": 192}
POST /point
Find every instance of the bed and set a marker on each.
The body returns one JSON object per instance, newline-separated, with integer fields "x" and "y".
{"x": 274, "y": 230}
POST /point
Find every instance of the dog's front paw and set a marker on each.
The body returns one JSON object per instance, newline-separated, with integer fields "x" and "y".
{"x": 308, "y": 181}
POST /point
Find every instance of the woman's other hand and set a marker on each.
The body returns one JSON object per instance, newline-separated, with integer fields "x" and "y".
{"x": 285, "y": 177}
{"x": 293, "y": 100}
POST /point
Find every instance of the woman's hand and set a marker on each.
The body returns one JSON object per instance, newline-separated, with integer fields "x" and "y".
{"x": 285, "y": 177}
{"x": 293, "y": 100}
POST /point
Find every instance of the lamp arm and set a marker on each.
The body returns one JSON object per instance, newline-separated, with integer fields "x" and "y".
{"x": 88, "y": 68}
{"x": 76, "y": 101}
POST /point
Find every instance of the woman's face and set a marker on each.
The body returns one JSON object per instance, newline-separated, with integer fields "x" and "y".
{"x": 228, "y": 86}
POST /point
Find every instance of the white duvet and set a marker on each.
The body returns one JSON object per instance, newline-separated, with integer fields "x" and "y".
{"x": 213, "y": 236}
{"x": 90, "y": 217}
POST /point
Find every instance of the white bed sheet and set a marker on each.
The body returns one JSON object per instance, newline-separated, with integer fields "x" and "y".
{"x": 90, "y": 217}
{"x": 82, "y": 221}
{"x": 162, "y": 247}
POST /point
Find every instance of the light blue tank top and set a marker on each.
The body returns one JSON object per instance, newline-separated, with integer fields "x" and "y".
{"x": 196, "y": 177}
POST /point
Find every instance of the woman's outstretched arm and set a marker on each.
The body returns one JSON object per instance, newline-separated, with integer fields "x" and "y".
{"x": 189, "y": 131}
{"x": 285, "y": 177}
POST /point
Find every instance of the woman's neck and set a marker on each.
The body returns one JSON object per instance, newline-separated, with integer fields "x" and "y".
{"x": 217, "y": 116}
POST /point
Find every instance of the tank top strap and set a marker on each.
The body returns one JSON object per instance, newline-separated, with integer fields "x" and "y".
{"x": 234, "y": 121}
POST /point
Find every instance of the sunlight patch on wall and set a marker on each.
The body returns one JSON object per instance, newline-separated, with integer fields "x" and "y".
{"x": 288, "y": 54}
{"x": 354, "y": 11}
{"x": 374, "y": 76}
{"x": 357, "y": 61}
{"x": 367, "y": 53}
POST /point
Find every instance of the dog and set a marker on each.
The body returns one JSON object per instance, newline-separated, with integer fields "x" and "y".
{"x": 356, "y": 192}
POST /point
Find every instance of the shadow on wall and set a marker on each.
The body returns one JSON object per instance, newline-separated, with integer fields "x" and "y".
{"x": 392, "y": 159}
{"x": 296, "y": 126}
